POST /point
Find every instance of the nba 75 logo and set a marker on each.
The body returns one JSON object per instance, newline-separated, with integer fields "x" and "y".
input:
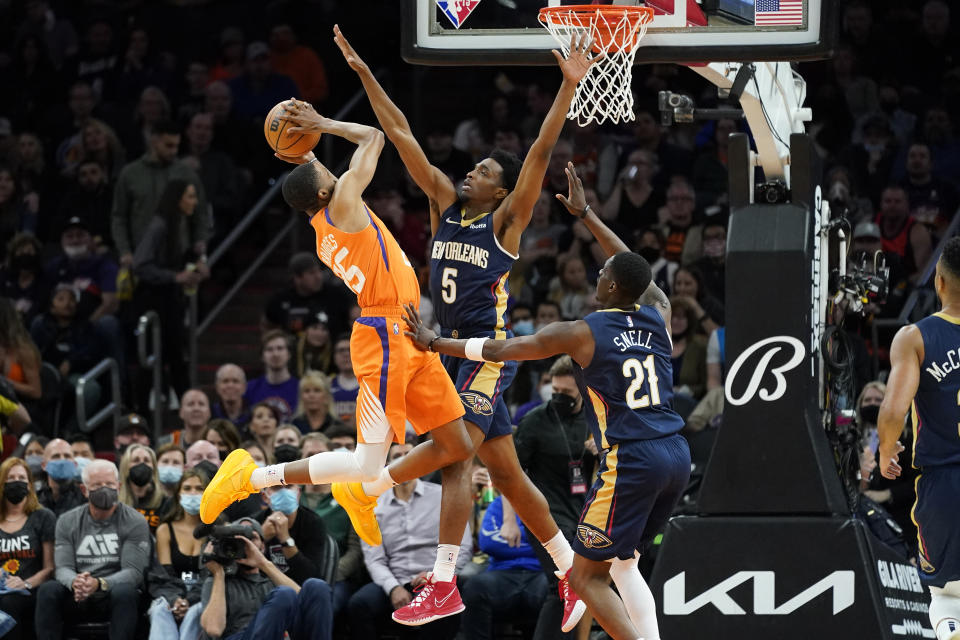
{"x": 457, "y": 11}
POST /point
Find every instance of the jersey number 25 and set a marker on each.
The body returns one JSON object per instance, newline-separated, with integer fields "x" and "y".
{"x": 634, "y": 369}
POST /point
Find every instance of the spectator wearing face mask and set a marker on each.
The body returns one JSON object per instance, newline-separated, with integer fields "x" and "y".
{"x": 26, "y": 546}
{"x": 60, "y": 493}
{"x": 294, "y": 536}
{"x": 713, "y": 263}
{"x": 93, "y": 274}
{"x": 650, "y": 243}
{"x": 552, "y": 442}
{"x": 286, "y": 444}
{"x": 131, "y": 429}
{"x": 82, "y": 452}
{"x": 176, "y": 591}
{"x": 31, "y": 450}
{"x": 171, "y": 459}
{"x": 102, "y": 550}
{"x": 140, "y": 485}
{"x": 22, "y": 278}
{"x": 204, "y": 455}
{"x": 223, "y": 435}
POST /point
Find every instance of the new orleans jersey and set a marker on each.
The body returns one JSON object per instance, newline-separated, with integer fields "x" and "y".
{"x": 935, "y": 413}
{"x": 468, "y": 276}
{"x": 628, "y": 385}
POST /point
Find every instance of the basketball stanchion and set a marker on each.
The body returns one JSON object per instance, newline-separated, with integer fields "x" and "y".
{"x": 604, "y": 93}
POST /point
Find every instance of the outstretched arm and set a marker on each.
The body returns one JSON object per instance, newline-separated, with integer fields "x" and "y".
{"x": 517, "y": 208}
{"x": 434, "y": 183}
{"x": 574, "y": 338}
{"x": 906, "y": 354}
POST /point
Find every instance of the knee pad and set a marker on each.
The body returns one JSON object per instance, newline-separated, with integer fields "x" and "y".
{"x": 370, "y": 459}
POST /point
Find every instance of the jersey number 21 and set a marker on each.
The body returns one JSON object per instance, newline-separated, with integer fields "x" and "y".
{"x": 634, "y": 369}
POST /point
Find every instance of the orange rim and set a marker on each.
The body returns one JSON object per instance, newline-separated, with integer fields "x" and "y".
{"x": 604, "y": 29}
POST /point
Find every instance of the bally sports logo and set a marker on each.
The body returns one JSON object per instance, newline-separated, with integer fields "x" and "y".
{"x": 477, "y": 403}
{"x": 773, "y": 348}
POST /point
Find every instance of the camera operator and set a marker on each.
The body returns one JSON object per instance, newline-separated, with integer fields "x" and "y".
{"x": 254, "y": 599}
{"x": 102, "y": 550}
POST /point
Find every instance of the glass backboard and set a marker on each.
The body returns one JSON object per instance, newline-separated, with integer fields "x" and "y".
{"x": 498, "y": 32}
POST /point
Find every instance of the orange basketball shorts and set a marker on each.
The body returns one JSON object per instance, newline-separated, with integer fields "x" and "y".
{"x": 398, "y": 382}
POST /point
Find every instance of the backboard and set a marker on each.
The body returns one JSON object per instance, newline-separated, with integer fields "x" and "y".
{"x": 499, "y": 32}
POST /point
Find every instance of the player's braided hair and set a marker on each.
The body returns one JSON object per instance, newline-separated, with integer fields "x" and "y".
{"x": 510, "y": 164}
{"x": 301, "y": 186}
{"x": 950, "y": 258}
{"x": 631, "y": 272}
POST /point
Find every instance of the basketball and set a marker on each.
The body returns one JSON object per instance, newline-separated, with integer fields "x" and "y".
{"x": 287, "y": 144}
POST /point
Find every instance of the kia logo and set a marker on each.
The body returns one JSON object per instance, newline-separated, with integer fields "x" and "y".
{"x": 773, "y": 348}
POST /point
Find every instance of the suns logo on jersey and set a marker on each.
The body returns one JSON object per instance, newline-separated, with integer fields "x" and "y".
{"x": 591, "y": 538}
{"x": 477, "y": 403}
{"x": 351, "y": 275}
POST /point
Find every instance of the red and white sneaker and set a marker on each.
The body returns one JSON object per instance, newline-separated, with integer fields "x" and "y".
{"x": 434, "y": 600}
{"x": 573, "y": 606}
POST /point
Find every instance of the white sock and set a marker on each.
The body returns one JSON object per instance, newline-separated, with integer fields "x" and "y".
{"x": 636, "y": 597}
{"x": 382, "y": 484}
{"x": 561, "y": 552}
{"x": 945, "y": 610}
{"x": 269, "y": 476}
{"x": 446, "y": 564}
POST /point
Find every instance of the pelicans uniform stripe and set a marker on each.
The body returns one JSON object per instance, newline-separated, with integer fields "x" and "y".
{"x": 600, "y": 409}
{"x": 600, "y": 510}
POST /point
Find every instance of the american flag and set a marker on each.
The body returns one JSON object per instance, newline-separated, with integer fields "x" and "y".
{"x": 778, "y": 12}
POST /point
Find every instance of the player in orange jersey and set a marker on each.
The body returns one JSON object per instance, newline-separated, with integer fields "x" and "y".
{"x": 398, "y": 382}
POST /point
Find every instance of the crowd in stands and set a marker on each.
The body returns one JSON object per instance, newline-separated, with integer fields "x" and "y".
{"x": 130, "y": 144}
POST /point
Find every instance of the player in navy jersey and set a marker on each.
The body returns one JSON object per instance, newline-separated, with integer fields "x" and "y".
{"x": 624, "y": 373}
{"x": 476, "y": 238}
{"x": 925, "y": 382}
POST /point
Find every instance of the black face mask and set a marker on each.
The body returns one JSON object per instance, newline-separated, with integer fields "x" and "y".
{"x": 870, "y": 413}
{"x": 206, "y": 467}
{"x": 103, "y": 498}
{"x": 286, "y": 453}
{"x": 141, "y": 474}
{"x": 563, "y": 404}
{"x": 25, "y": 262}
{"x": 15, "y": 491}
{"x": 650, "y": 254}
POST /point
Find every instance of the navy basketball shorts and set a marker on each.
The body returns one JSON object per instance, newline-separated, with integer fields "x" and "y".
{"x": 636, "y": 490}
{"x": 481, "y": 386}
{"x": 938, "y": 530}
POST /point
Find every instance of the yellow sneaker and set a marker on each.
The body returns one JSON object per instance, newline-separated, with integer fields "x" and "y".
{"x": 359, "y": 506}
{"x": 231, "y": 483}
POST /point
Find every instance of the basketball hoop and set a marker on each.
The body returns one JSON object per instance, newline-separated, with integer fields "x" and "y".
{"x": 604, "y": 93}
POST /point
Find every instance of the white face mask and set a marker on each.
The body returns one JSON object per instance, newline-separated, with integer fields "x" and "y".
{"x": 341, "y": 450}
{"x": 74, "y": 252}
{"x": 546, "y": 392}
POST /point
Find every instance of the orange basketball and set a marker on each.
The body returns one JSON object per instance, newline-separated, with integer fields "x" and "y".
{"x": 287, "y": 144}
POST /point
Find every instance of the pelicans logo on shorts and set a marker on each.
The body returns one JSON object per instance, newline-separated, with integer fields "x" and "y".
{"x": 591, "y": 538}
{"x": 925, "y": 565}
{"x": 478, "y": 403}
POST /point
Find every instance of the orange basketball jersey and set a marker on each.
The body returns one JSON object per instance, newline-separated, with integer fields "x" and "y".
{"x": 370, "y": 262}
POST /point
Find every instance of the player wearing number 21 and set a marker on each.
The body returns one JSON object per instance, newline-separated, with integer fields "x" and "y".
{"x": 621, "y": 354}
{"x": 476, "y": 239}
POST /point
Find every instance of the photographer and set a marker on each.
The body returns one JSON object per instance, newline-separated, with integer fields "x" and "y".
{"x": 255, "y": 599}
{"x": 102, "y": 550}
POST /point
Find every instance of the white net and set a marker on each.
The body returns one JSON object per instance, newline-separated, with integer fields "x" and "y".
{"x": 604, "y": 93}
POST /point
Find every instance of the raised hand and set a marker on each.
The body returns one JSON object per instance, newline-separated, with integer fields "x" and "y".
{"x": 575, "y": 65}
{"x": 303, "y": 116}
{"x": 353, "y": 60}
{"x": 574, "y": 201}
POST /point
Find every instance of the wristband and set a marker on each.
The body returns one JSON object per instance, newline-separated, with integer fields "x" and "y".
{"x": 474, "y": 349}
{"x": 586, "y": 212}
